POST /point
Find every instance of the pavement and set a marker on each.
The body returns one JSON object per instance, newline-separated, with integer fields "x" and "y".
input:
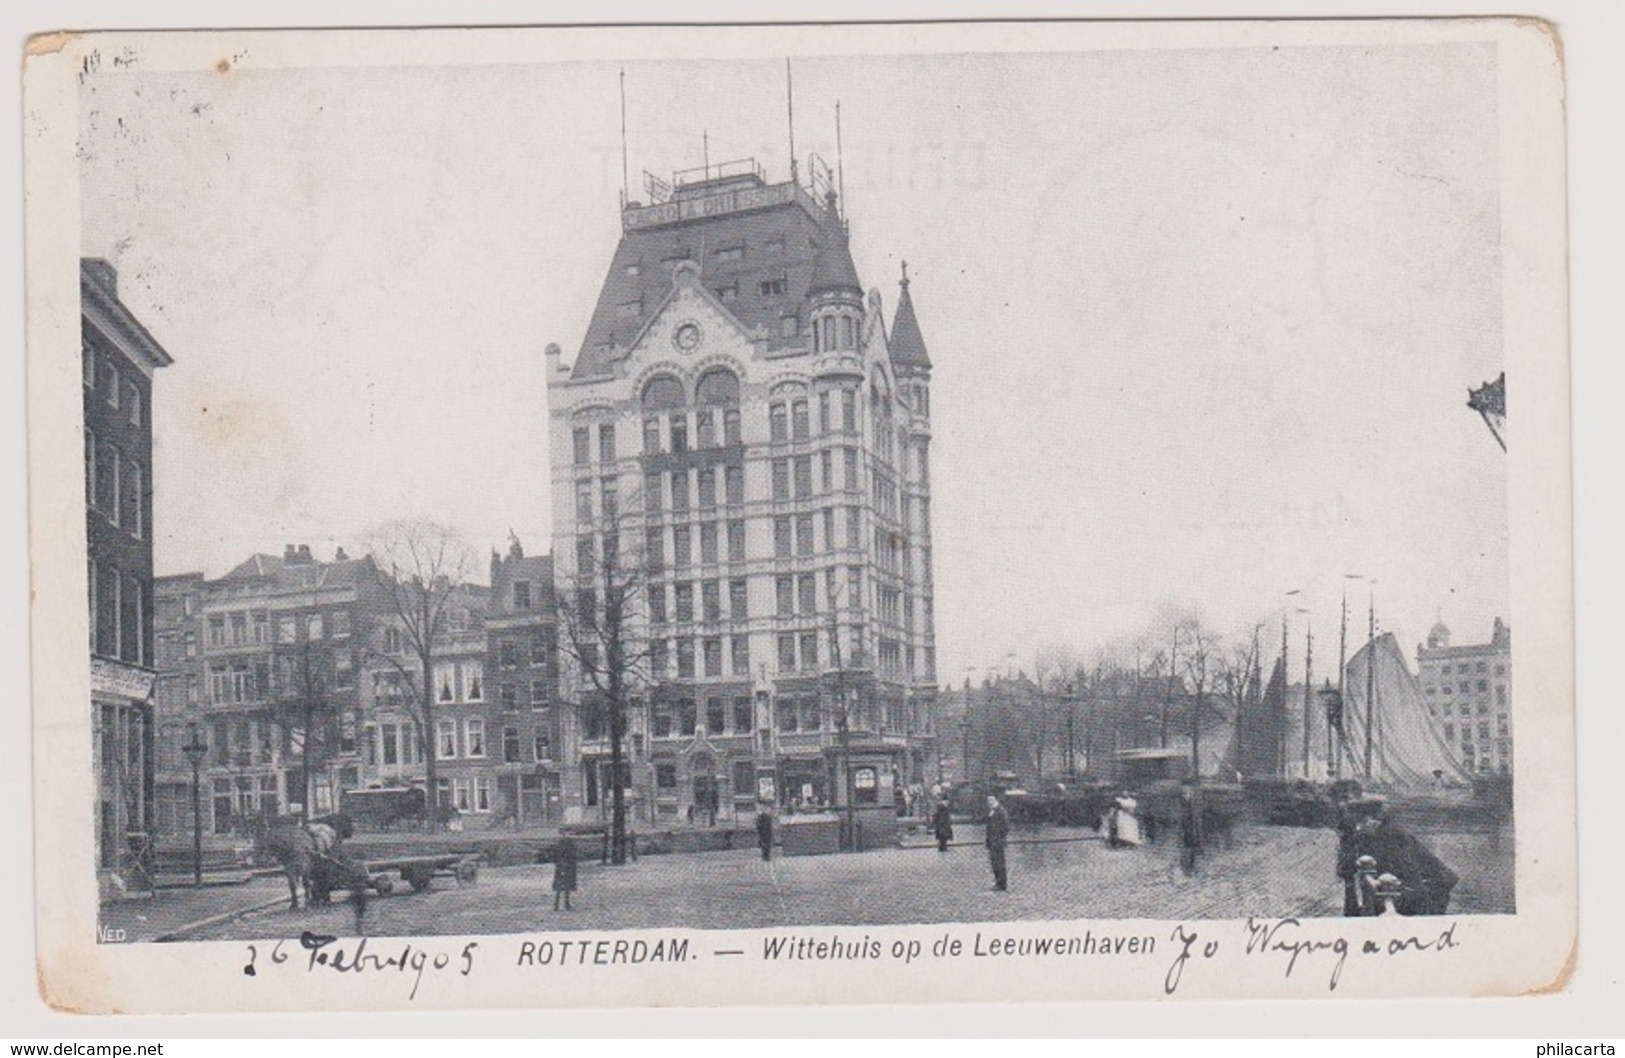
{"x": 171, "y": 912}
{"x": 1055, "y": 873}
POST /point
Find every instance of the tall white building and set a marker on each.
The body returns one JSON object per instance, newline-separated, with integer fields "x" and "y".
{"x": 739, "y": 424}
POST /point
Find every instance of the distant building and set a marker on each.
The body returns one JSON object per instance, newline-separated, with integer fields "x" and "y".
{"x": 261, "y": 666}
{"x": 1468, "y": 690}
{"x": 739, "y": 418}
{"x": 120, "y": 358}
{"x": 522, "y": 663}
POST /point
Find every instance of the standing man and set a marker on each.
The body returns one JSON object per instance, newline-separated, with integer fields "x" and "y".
{"x": 942, "y": 824}
{"x": 1190, "y": 828}
{"x": 764, "y": 830}
{"x": 998, "y": 834}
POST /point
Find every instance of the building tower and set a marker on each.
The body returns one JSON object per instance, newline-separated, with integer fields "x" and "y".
{"x": 120, "y": 359}
{"x": 738, "y": 431}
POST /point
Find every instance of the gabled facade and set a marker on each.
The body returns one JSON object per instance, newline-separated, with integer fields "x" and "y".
{"x": 737, "y": 425}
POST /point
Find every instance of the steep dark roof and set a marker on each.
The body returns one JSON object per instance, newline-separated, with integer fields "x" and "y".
{"x": 769, "y": 260}
{"x": 253, "y": 566}
{"x": 907, "y": 344}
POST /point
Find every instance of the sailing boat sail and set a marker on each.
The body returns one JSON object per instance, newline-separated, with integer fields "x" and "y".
{"x": 1407, "y": 746}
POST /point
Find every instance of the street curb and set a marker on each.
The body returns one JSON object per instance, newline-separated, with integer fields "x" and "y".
{"x": 215, "y": 920}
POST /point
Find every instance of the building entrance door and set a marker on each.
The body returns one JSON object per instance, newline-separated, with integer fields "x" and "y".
{"x": 705, "y": 799}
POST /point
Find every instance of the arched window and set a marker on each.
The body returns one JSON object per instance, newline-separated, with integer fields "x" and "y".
{"x": 663, "y": 392}
{"x": 717, "y": 386}
{"x": 847, "y": 338}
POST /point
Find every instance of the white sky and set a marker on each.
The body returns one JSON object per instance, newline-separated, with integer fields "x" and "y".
{"x": 1203, "y": 321}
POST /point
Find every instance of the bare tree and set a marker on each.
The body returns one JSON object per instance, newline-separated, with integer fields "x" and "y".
{"x": 1197, "y": 645}
{"x": 305, "y": 704}
{"x": 601, "y": 618}
{"x": 425, "y": 569}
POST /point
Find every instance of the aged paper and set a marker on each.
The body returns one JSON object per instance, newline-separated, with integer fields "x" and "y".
{"x": 799, "y": 515}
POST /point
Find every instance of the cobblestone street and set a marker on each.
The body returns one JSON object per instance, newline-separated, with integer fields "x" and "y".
{"x": 1055, "y": 874}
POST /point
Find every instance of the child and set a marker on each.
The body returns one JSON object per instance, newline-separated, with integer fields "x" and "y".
{"x": 564, "y": 872}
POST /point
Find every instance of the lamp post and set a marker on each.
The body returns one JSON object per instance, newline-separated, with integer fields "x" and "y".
{"x": 195, "y": 752}
{"x": 964, "y": 734}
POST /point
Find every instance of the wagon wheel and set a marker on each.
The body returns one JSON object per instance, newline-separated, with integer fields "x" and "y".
{"x": 468, "y": 872}
{"x": 419, "y": 878}
{"x": 384, "y": 884}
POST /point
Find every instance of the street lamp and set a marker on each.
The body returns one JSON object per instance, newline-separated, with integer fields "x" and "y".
{"x": 964, "y": 733}
{"x": 195, "y": 752}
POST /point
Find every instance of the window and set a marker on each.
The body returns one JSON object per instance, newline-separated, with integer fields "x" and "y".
{"x": 665, "y": 776}
{"x": 743, "y": 721}
{"x": 262, "y": 626}
{"x": 737, "y": 599}
{"x": 804, "y": 476}
{"x": 712, "y": 649}
{"x": 782, "y": 541}
{"x": 829, "y": 528}
{"x": 87, "y": 357}
{"x": 685, "y": 658}
{"x": 778, "y": 422}
{"x": 786, "y": 709}
{"x": 736, "y": 541}
{"x": 679, "y": 432}
{"x": 657, "y": 604}
{"x": 865, "y": 786}
{"x": 824, "y": 412}
{"x": 798, "y": 419}
{"x": 651, "y": 435}
{"x": 462, "y": 798}
{"x": 107, "y": 482}
{"x": 741, "y": 655}
{"x": 110, "y": 383}
{"x": 679, "y": 490}
{"x": 787, "y": 653}
{"x": 849, "y": 410}
{"x": 610, "y": 502}
{"x": 807, "y": 591}
{"x": 711, "y": 601}
{"x": 784, "y": 589}
{"x": 809, "y": 650}
{"x": 681, "y": 547}
{"x": 781, "y": 479}
{"x": 826, "y": 471}
{"x": 90, "y": 468}
{"x": 730, "y": 426}
{"x": 606, "y": 443}
{"x": 482, "y": 794}
{"x": 709, "y": 554}
{"x": 583, "y": 501}
{"x": 854, "y": 529}
{"x": 707, "y": 487}
{"x": 685, "y": 601}
{"x": 507, "y": 695}
{"x": 654, "y": 550}
{"x": 804, "y": 534}
{"x": 473, "y": 738}
{"x": 521, "y": 595}
{"x": 850, "y": 459}
{"x": 392, "y": 636}
{"x": 446, "y": 740}
{"x": 705, "y": 428}
{"x": 582, "y": 437}
{"x": 541, "y": 746}
{"x": 132, "y": 516}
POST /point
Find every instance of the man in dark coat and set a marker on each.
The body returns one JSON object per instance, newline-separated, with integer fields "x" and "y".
{"x": 1190, "y": 828}
{"x": 1425, "y": 879}
{"x": 564, "y": 873}
{"x": 764, "y": 831}
{"x": 998, "y": 834}
{"x": 942, "y": 824}
{"x": 1350, "y": 817}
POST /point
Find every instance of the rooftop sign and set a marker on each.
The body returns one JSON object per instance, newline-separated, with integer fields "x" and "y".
{"x": 737, "y": 200}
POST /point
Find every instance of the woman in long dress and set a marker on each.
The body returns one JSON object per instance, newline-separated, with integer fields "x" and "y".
{"x": 1122, "y": 822}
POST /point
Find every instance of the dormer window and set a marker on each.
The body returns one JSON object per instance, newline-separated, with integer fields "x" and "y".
{"x": 770, "y": 287}
{"x": 728, "y": 294}
{"x": 728, "y": 253}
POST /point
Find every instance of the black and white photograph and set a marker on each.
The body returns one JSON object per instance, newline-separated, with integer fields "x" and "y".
{"x": 801, "y": 503}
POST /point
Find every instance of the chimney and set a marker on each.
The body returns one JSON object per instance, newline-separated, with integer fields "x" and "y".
{"x": 290, "y": 553}
{"x": 340, "y": 556}
{"x": 304, "y": 553}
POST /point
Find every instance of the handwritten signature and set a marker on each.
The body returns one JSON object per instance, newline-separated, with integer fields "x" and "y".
{"x": 1290, "y": 938}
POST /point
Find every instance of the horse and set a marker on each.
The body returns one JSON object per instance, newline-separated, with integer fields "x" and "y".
{"x": 311, "y": 859}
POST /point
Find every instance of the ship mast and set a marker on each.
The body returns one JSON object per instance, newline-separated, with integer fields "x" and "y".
{"x": 1370, "y": 677}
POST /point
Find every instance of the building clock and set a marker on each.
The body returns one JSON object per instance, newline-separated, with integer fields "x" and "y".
{"x": 687, "y": 336}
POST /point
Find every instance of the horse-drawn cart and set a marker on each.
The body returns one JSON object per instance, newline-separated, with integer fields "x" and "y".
{"x": 420, "y": 871}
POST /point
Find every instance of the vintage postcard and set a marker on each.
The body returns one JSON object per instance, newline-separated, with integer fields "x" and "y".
{"x": 818, "y": 514}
